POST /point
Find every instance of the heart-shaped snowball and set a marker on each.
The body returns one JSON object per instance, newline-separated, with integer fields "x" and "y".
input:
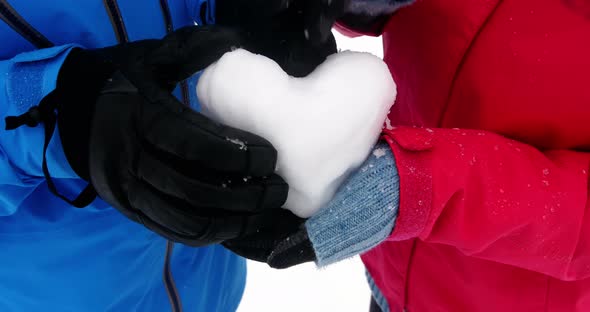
{"x": 323, "y": 126}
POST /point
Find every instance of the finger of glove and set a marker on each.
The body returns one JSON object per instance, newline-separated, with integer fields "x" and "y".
{"x": 320, "y": 16}
{"x": 190, "y": 136}
{"x": 184, "y": 220}
{"x": 255, "y": 253}
{"x": 188, "y": 50}
{"x": 173, "y": 236}
{"x": 275, "y": 224}
{"x": 245, "y": 12}
{"x": 270, "y": 8}
{"x": 128, "y": 54}
{"x": 268, "y": 230}
{"x": 188, "y": 184}
{"x": 296, "y": 249}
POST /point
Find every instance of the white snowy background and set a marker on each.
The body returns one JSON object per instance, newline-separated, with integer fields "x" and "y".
{"x": 340, "y": 287}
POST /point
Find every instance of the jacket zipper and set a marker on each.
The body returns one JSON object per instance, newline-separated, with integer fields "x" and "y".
{"x": 169, "y": 28}
{"x": 175, "y": 302}
{"x": 116, "y": 20}
{"x": 167, "y": 16}
{"x": 9, "y": 15}
{"x": 122, "y": 37}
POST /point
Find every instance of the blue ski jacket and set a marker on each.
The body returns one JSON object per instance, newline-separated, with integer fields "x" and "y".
{"x": 54, "y": 257}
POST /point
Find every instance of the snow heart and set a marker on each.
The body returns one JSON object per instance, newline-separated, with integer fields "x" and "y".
{"x": 323, "y": 126}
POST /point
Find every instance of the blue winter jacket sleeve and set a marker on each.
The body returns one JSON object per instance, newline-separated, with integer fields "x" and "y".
{"x": 24, "y": 81}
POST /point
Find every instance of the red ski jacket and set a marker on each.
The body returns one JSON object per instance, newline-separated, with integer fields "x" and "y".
{"x": 491, "y": 134}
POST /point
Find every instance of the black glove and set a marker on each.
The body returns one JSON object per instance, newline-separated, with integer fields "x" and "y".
{"x": 317, "y": 17}
{"x": 157, "y": 161}
{"x": 295, "y": 249}
{"x": 295, "y": 33}
{"x": 281, "y": 241}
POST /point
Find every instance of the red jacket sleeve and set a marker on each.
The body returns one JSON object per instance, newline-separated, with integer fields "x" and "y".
{"x": 494, "y": 198}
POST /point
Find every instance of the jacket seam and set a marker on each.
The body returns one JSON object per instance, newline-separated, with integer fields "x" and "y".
{"x": 169, "y": 23}
{"x": 462, "y": 62}
{"x": 546, "y": 305}
{"x": 408, "y": 273}
{"x": 9, "y": 15}
{"x": 117, "y": 22}
{"x": 169, "y": 283}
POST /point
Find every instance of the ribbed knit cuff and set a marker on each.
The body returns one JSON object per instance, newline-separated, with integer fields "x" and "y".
{"x": 362, "y": 214}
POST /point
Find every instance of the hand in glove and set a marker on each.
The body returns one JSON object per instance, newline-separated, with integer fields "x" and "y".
{"x": 314, "y": 17}
{"x": 360, "y": 216}
{"x": 157, "y": 161}
{"x": 295, "y": 33}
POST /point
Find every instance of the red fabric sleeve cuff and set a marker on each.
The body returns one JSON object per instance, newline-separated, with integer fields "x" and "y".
{"x": 410, "y": 148}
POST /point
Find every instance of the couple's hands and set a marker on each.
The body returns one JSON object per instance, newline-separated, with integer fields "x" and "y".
{"x": 360, "y": 216}
{"x": 281, "y": 241}
{"x": 297, "y": 34}
{"x": 160, "y": 163}
{"x": 157, "y": 161}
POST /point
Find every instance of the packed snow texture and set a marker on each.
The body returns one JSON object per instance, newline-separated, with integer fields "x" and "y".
{"x": 339, "y": 287}
{"x": 323, "y": 126}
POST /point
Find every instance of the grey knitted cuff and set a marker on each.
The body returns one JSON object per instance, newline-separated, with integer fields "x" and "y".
{"x": 376, "y": 7}
{"x": 362, "y": 213}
